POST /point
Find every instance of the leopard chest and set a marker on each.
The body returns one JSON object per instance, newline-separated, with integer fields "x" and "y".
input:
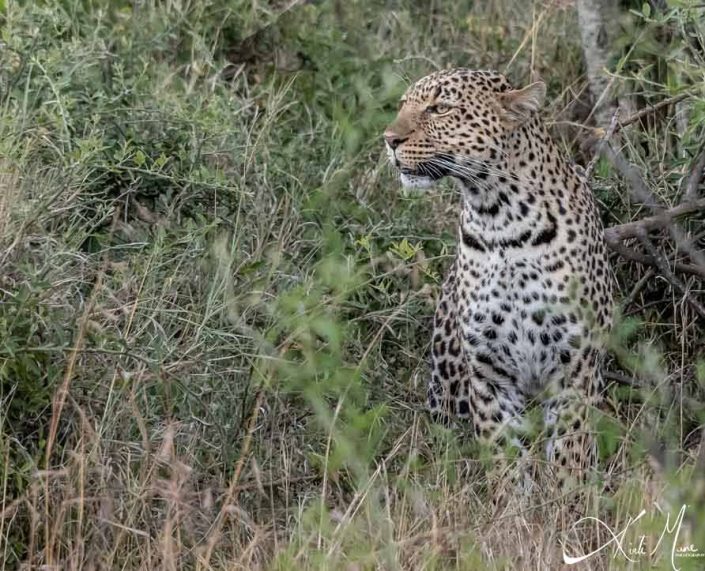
{"x": 513, "y": 317}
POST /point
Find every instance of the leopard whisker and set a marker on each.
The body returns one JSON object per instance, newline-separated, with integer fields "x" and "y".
{"x": 465, "y": 171}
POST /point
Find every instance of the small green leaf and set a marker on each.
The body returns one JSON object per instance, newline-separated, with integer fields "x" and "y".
{"x": 161, "y": 160}
{"x": 646, "y": 9}
{"x": 405, "y": 250}
{"x": 609, "y": 436}
{"x": 139, "y": 158}
{"x": 364, "y": 241}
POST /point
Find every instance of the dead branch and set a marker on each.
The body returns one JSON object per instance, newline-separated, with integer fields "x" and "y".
{"x": 652, "y": 109}
{"x": 675, "y": 282}
{"x": 638, "y": 286}
{"x": 645, "y": 260}
{"x": 661, "y": 220}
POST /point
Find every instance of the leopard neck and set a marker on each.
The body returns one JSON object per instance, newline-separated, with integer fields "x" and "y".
{"x": 519, "y": 199}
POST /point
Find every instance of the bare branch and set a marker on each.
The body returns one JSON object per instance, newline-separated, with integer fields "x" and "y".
{"x": 638, "y": 286}
{"x": 652, "y": 109}
{"x": 666, "y": 217}
{"x": 646, "y": 260}
{"x": 662, "y": 217}
{"x": 669, "y": 275}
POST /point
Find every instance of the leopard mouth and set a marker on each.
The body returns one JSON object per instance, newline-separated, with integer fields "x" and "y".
{"x": 424, "y": 174}
{"x": 416, "y": 181}
{"x": 423, "y": 171}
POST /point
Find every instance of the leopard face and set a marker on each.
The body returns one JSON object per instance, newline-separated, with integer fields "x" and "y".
{"x": 456, "y": 123}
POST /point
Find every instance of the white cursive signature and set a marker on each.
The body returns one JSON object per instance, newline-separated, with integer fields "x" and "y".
{"x": 616, "y": 538}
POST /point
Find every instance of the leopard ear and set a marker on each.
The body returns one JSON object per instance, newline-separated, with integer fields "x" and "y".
{"x": 518, "y": 104}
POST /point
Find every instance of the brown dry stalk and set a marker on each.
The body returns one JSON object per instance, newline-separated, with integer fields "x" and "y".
{"x": 9, "y": 184}
{"x": 61, "y": 394}
{"x": 234, "y": 489}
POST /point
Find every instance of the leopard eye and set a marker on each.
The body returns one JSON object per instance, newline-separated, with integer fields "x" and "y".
{"x": 438, "y": 108}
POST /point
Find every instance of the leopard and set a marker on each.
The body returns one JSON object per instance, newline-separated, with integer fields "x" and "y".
{"x": 525, "y": 310}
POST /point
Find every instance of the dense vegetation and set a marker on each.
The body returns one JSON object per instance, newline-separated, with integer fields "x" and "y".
{"x": 215, "y": 301}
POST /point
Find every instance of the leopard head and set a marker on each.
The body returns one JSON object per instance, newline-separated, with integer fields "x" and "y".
{"x": 456, "y": 123}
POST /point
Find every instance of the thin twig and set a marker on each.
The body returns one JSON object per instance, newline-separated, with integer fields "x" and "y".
{"x": 646, "y": 260}
{"x": 621, "y": 379}
{"x": 696, "y": 175}
{"x": 652, "y": 109}
{"x": 600, "y": 146}
{"x": 669, "y": 275}
{"x": 638, "y": 286}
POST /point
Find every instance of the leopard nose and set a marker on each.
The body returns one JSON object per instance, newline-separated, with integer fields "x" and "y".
{"x": 393, "y": 140}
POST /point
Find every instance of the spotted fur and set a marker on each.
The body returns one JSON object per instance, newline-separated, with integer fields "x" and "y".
{"x": 528, "y": 299}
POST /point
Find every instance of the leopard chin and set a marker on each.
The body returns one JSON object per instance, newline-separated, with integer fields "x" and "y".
{"x": 416, "y": 181}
